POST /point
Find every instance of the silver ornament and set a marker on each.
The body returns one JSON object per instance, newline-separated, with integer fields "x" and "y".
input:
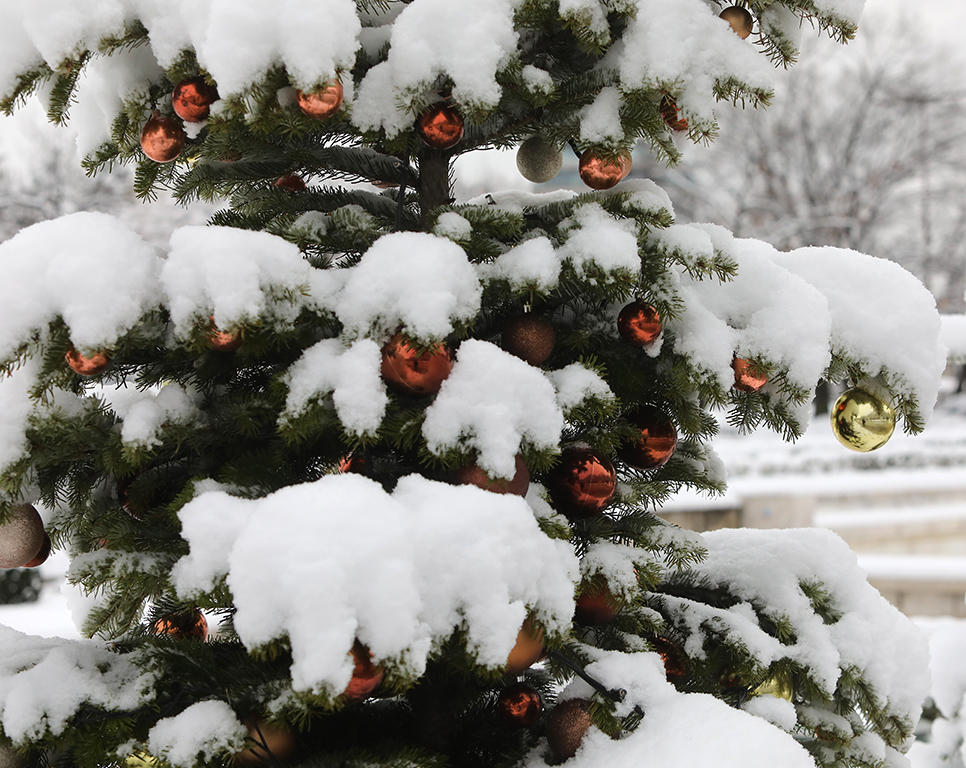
{"x": 21, "y": 536}
{"x": 538, "y": 160}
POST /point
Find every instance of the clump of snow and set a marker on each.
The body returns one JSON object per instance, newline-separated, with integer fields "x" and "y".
{"x": 596, "y": 239}
{"x": 600, "y": 121}
{"x": 617, "y": 563}
{"x": 952, "y": 335}
{"x": 15, "y": 408}
{"x": 453, "y": 226}
{"x": 45, "y": 681}
{"x": 492, "y": 402}
{"x": 576, "y": 384}
{"x": 145, "y": 413}
{"x": 410, "y": 279}
{"x": 351, "y": 375}
{"x": 200, "y": 732}
{"x": 531, "y": 265}
{"x": 88, "y": 268}
{"x": 444, "y": 557}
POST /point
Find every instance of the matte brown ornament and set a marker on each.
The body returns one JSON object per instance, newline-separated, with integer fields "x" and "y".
{"x": 567, "y": 723}
{"x": 162, "y": 139}
{"x": 441, "y": 127}
{"x": 366, "y": 676}
{"x": 41, "y": 557}
{"x": 740, "y": 19}
{"x": 745, "y": 379}
{"x": 530, "y": 337}
{"x": 657, "y": 442}
{"x": 21, "y": 536}
{"x": 192, "y": 99}
{"x": 672, "y": 656}
{"x": 411, "y": 372}
{"x": 519, "y": 705}
{"x": 88, "y": 366}
{"x": 266, "y": 743}
{"x": 292, "y": 183}
{"x": 599, "y": 173}
{"x": 671, "y": 115}
{"x": 322, "y": 103}
{"x": 527, "y": 650}
{"x": 518, "y": 485}
{"x": 596, "y": 604}
{"x": 639, "y": 324}
{"x": 181, "y": 626}
{"x": 223, "y": 341}
{"x": 538, "y": 160}
{"x": 583, "y": 482}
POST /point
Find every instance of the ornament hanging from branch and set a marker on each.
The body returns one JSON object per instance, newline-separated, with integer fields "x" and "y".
{"x": 322, "y": 103}
{"x": 88, "y": 366}
{"x": 657, "y": 441}
{"x": 162, "y": 139}
{"x": 639, "y": 324}
{"x": 538, "y": 160}
{"x": 530, "y": 337}
{"x": 861, "y": 421}
{"x": 583, "y": 482}
{"x": 21, "y": 536}
{"x": 746, "y": 380}
{"x": 441, "y": 126}
{"x": 672, "y": 115}
{"x": 192, "y": 99}
{"x": 473, "y": 474}
{"x": 599, "y": 173}
{"x": 740, "y": 19}
{"x": 519, "y": 705}
{"x": 412, "y": 372}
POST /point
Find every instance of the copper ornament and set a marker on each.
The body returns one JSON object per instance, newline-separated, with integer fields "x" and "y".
{"x": 519, "y": 705}
{"x": 322, "y": 103}
{"x": 861, "y": 421}
{"x": 266, "y": 743}
{"x": 223, "y": 341}
{"x": 567, "y": 723}
{"x": 628, "y": 159}
{"x": 527, "y": 650}
{"x": 598, "y": 173}
{"x": 596, "y": 604}
{"x": 292, "y": 183}
{"x": 410, "y": 372}
{"x": 639, "y": 324}
{"x": 366, "y": 676}
{"x": 745, "y": 379}
{"x": 441, "y": 127}
{"x": 657, "y": 442}
{"x": 538, "y": 160}
{"x": 192, "y": 99}
{"x": 671, "y": 115}
{"x": 353, "y": 462}
{"x": 162, "y": 139}
{"x": 41, "y": 557}
{"x": 583, "y": 482}
{"x": 672, "y": 656}
{"x": 88, "y": 366}
{"x": 530, "y": 337}
{"x": 740, "y": 19}
{"x": 181, "y": 626}
{"x": 517, "y": 485}
{"x": 21, "y": 536}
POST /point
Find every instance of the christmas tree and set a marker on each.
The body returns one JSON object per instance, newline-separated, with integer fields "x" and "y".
{"x": 363, "y": 475}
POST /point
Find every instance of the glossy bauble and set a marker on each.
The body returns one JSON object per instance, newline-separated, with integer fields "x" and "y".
{"x": 639, "y": 324}
{"x": 530, "y": 337}
{"x": 162, "y": 139}
{"x": 657, "y": 441}
{"x": 88, "y": 366}
{"x": 673, "y": 658}
{"x": 740, "y": 19}
{"x": 266, "y": 743}
{"x": 582, "y": 483}
{"x": 366, "y": 676}
{"x": 518, "y": 485}
{"x": 519, "y": 705}
{"x": 672, "y": 116}
{"x": 440, "y": 127}
{"x": 746, "y": 380}
{"x": 527, "y": 650}
{"x": 21, "y": 536}
{"x": 596, "y": 604}
{"x": 181, "y": 626}
{"x": 322, "y": 103}
{"x": 291, "y": 183}
{"x": 192, "y": 99}
{"x": 567, "y": 723}
{"x": 861, "y": 421}
{"x": 415, "y": 373}
{"x": 223, "y": 341}
{"x": 598, "y": 173}
{"x": 538, "y": 160}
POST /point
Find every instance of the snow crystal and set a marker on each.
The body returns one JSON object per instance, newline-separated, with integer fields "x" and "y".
{"x": 492, "y": 402}
{"x": 576, "y": 384}
{"x": 410, "y": 279}
{"x": 199, "y": 733}
{"x": 445, "y": 556}
{"x": 88, "y": 268}
{"x": 43, "y": 682}
{"x": 600, "y": 240}
{"x": 531, "y": 265}
{"x": 352, "y": 376}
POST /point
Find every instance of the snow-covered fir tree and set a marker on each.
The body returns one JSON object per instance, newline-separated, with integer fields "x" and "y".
{"x": 362, "y": 475}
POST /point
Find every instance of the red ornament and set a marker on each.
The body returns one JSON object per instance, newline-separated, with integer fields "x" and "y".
{"x": 291, "y": 182}
{"x": 192, "y": 99}
{"x": 639, "y": 324}
{"x": 596, "y": 604}
{"x": 671, "y": 115}
{"x": 182, "y": 625}
{"x": 88, "y": 366}
{"x": 517, "y": 485}
{"x": 441, "y": 127}
{"x": 223, "y": 341}
{"x": 745, "y": 379}
{"x": 527, "y": 650}
{"x": 366, "y": 676}
{"x": 583, "y": 483}
{"x": 266, "y": 743}
{"x": 322, "y": 103}
{"x": 598, "y": 173}
{"x": 673, "y": 658}
{"x": 42, "y": 555}
{"x": 415, "y": 373}
{"x": 657, "y": 442}
{"x": 567, "y": 723}
{"x": 353, "y": 462}
{"x": 162, "y": 139}
{"x": 530, "y": 337}
{"x": 519, "y": 705}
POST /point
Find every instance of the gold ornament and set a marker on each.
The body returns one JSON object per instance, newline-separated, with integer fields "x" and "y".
{"x": 538, "y": 160}
{"x": 740, "y": 20}
{"x": 778, "y": 685}
{"x": 21, "y": 536}
{"x": 861, "y": 421}
{"x": 141, "y": 760}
